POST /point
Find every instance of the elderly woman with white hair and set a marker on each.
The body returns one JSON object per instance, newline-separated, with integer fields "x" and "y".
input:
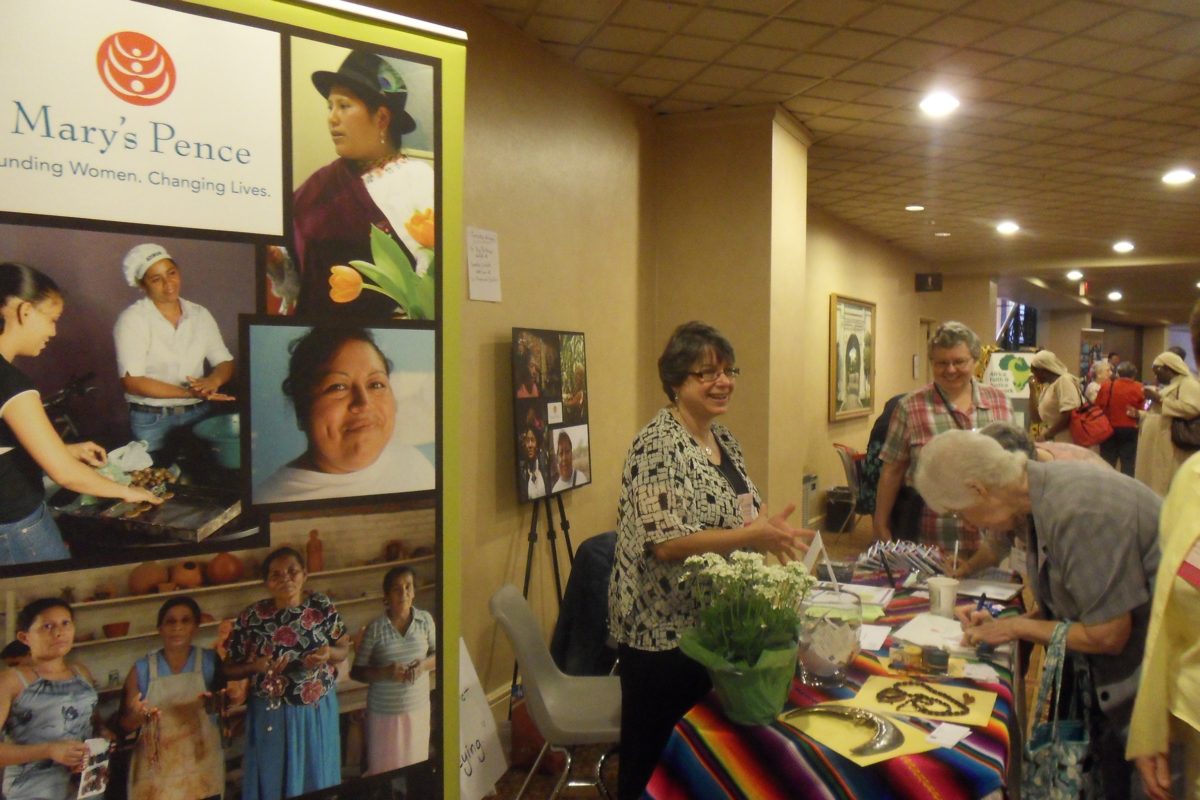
{"x": 1177, "y": 397}
{"x": 1093, "y": 551}
{"x": 1058, "y": 395}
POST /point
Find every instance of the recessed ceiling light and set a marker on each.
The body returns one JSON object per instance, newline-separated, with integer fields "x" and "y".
{"x": 1008, "y": 227}
{"x": 1177, "y": 177}
{"x": 942, "y": 234}
{"x": 1114, "y": 295}
{"x": 914, "y": 208}
{"x": 939, "y": 104}
{"x": 1074, "y": 275}
{"x": 1123, "y": 246}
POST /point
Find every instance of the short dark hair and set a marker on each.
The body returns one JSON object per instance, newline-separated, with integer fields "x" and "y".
{"x": 26, "y": 284}
{"x": 687, "y": 344}
{"x": 278, "y": 553}
{"x": 564, "y": 435}
{"x": 312, "y": 351}
{"x": 1127, "y": 369}
{"x": 173, "y": 602}
{"x": 14, "y": 649}
{"x": 395, "y": 574}
{"x": 35, "y": 608}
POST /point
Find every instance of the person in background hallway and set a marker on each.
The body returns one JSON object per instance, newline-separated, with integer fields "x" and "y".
{"x": 1059, "y": 395}
{"x": 1177, "y": 396}
{"x": 954, "y": 400}
{"x": 1102, "y": 372}
{"x": 1121, "y": 399}
{"x": 1114, "y": 358}
{"x": 684, "y": 492}
{"x": 1167, "y": 709}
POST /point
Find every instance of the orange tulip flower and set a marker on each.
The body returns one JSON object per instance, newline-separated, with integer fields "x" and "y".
{"x": 421, "y": 228}
{"x": 345, "y": 284}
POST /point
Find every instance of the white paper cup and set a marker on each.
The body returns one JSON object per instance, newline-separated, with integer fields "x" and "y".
{"x": 943, "y": 592}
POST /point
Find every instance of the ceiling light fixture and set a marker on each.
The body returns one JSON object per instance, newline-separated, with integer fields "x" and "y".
{"x": 1123, "y": 246}
{"x": 939, "y": 104}
{"x": 1074, "y": 275}
{"x": 942, "y": 234}
{"x": 1114, "y": 295}
{"x": 1178, "y": 177}
{"x": 1008, "y": 227}
{"x": 914, "y": 208}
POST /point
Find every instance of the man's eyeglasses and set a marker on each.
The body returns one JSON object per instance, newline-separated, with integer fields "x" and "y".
{"x": 710, "y": 374}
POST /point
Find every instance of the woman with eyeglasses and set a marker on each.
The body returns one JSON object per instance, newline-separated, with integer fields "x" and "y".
{"x": 955, "y": 400}
{"x": 684, "y": 491}
{"x": 289, "y": 645}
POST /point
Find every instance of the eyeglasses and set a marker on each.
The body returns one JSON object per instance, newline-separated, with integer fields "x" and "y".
{"x": 958, "y": 363}
{"x": 294, "y": 572}
{"x": 710, "y": 374}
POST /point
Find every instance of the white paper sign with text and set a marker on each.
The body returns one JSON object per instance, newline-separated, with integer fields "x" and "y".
{"x": 481, "y": 757}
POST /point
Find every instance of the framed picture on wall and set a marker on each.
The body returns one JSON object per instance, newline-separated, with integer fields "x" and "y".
{"x": 851, "y": 358}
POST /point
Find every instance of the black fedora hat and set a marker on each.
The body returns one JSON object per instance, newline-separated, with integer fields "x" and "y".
{"x": 373, "y": 77}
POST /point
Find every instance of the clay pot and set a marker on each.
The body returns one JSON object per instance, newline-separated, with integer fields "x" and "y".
{"x": 225, "y": 568}
{"x": 144, "y": 578}
{"x": 395, "y": 550}
{"x": 165, "y": 587}
{"x": 315, "y": 555}
{"x": 187, "y": 575}
{"x": 114, "y": 629}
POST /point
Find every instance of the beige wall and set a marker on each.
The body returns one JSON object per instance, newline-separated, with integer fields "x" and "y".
{"x": 1059, "y": 332}
{"x": 554, "y": 164}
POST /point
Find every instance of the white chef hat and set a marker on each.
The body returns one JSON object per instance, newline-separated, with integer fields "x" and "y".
{"x": 141, "y": 258}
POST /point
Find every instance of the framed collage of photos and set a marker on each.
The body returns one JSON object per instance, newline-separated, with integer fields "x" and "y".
{"x": 550, "y": 412}
{"x": 249, "y": 329}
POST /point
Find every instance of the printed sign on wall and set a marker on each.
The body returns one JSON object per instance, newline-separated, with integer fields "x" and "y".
{"x": 140, "y": 114}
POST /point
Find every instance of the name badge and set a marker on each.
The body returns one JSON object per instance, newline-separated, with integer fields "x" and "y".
{"x": 745, "y": 502}
{"x": 1189, "y": 570}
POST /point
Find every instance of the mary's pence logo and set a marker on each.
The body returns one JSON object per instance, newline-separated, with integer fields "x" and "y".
{"x": 136, "y": 68}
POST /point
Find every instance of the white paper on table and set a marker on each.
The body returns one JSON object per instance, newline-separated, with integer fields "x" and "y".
{"x": 483, "y": 265}
{"x": 872, "y": 637}
{"x": 814, "y": 550}
{"x": 930, "y": 630}
{"x": 995, "y": 590}
{"x": 984, "y": 673}
{"x": 869, "y": 595}
{"x": 948, "y": 734}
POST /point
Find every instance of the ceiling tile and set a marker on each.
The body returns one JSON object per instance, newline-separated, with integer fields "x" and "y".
{"x": 859, "y": 111}
{"x": 753, "y": 97}
{"x": 1130, "y": 27}
{"x": 650, "y": 87}
{"x": 674, "y": 105}
{"x": 591, "y": 58}
{"x": 725, "y": 25}
{"x": 874, "y": 73}
{"x": 893, "y": 19}
{"x": 790, "y": 84}
{"x": 840, "y": 90}
{"x": 827, "y": 124}
{"x": 593, "y": 10}
{"x": 788, "y": 33}
{"x": 1023, "y": 71}
{"x": 1008, "y": 13}
{"x": 836, "y": 13}
{"x": 1016, "y": 41}
{"x": 675, "y": 69}
{"x": 1074, "y": 79}
{"x": 564, "y": 51}
{"x": 1076, "y": 50}
{"x": 972, "y": 62}
{"x": 755, "y": 6}
{"x": 632, "y": 40}
{"x": 816, "y": 65}
{"x": 911, "y": 53}
{"x": 557, "y": 30}
{"x": 1181, "y": 38}
{"x": 1027, "y": 96}
{"x": 1126, "y": 86}
{"x": 1072, "y": 16}
{"x": 892, "y": 98}
{"x": 513, "y": 17}
{"x": 958, "y": 31}
{"x": 693, "y": 48}
{"x": 702, "y": 94}
{"x": 756, "y": 57}
{"x": 852, "y": 44}
{"x": 807, "y": 106}
{"x": 652, "y": 14}
{"x": 514, "y": 5}
{"x": 721, "y": 75}
{"x": 1176, "y": 68}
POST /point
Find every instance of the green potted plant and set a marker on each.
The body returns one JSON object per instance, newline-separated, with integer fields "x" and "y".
{"x": 746, "y": 635}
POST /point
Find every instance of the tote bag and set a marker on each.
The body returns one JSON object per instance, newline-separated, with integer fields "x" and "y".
{"x": 1089, "y": 424}
{"x": 1054, "y": 759}
{"x": 1185, "y": 433}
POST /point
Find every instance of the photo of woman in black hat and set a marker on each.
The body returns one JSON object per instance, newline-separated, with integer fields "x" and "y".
{"x": 372, "y": 185}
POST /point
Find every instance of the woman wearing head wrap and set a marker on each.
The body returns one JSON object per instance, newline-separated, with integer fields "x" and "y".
{"x": 370, "y": 184}
{"x": 1177, "y": 396}
{"x": 1059, "y": 394}
{"x": 163, "y": 342}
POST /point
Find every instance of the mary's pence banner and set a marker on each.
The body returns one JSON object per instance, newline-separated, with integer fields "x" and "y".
{"x": 121, "y": 111}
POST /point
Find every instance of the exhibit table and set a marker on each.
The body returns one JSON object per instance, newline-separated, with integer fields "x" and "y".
{"x": 708, "y": 756}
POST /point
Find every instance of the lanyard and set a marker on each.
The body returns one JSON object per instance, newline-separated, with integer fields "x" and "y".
{"x": 950, "y": 409}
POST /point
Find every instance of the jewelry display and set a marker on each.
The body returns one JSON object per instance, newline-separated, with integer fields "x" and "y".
{"x": 886, "y": 736}
{"x": 924, "y": 699}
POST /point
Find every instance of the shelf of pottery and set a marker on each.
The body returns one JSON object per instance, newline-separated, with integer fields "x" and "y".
{"x": 115, "y": 626}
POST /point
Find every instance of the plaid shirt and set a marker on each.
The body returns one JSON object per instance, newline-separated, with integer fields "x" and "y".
{"x": 924, "y": 414}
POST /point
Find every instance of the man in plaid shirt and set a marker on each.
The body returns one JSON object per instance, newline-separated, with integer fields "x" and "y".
{"x": 954, "y": 400}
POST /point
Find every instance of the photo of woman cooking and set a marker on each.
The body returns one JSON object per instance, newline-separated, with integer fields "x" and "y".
{"x": 121, "y": 418}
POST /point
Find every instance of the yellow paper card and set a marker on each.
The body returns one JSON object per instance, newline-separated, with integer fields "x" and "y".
{"x": 980, "y": 707}
{"x": 843, "y": 735}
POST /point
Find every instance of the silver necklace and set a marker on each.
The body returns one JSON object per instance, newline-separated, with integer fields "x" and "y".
{"x": 708, "y": 451}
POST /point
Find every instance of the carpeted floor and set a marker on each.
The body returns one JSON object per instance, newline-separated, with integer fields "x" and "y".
{"x": 840, "y": 546}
